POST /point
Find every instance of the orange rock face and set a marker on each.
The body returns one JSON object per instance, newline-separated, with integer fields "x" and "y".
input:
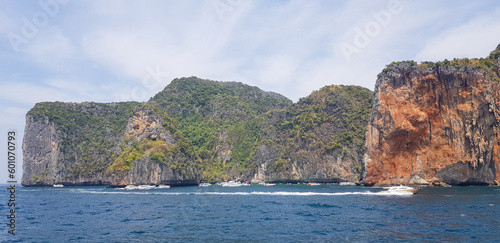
{"x": 431, "y": 125}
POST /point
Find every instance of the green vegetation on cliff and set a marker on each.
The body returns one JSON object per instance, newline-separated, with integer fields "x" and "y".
{"x": 344, "y": 109}
{"x": 220, "y": 119}
{"x": 88, "y": 131}
{"x": 157, "y": 150}
{"x": 331, "y": 121}
{"x": 73, "y": 117}
{"x": 490, "y": 64}
{"x": 217, "y": 127}
{"x": 221, "y": 101}
{"x": 177, "y": 153}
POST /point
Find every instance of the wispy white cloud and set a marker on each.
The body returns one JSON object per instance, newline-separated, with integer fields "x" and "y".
{"x": 187, "y": 45}
{"x": 26, "y": 94}
{"x": 476, "y": 38}
{"x": 51, "y": 49}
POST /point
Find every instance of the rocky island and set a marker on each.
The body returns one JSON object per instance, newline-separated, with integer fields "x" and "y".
{"x": 199, "y": 130}
{"x": 425, "y": 124}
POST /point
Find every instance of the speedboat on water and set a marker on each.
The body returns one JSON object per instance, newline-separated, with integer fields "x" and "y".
{"x": 231, "y": 184}
{"x": 205, "y": 184}
{"x": 399, "y": 190}
{"x": 58, "y": 185}
{"x": 269, "y": 184}
{"x": 130, "y": 187}
{"x": 162, "y": 186}
{"x": 314, "y": 184}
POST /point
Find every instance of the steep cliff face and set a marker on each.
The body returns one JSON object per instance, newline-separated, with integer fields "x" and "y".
{"x": 72, "y": 143}
{"x": 434, "y": 123}
{"x": 95, "y": 144}
{"x": 41, "y": 152}
{"x": 319, "y": 139}
{"x": 153, "y": 152}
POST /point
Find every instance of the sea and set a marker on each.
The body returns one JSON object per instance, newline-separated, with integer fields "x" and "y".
{"x": 283, "y": 213}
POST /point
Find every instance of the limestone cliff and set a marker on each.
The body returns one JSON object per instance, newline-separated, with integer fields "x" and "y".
{"x": 198, "y": 130}
{"x": 41, "y": 152}
{"x": 96, "y": 144}
{"x": 222, "y": 121}
{"x": 434, "y": 123}
{"x": 318, "y": 139}
{"x": 153, "y": 153}
{"x": 72, "y": 143}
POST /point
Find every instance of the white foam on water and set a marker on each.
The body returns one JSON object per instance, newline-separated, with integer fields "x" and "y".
{"x": 395, "y": 193}
{"x": 283, "y": 193}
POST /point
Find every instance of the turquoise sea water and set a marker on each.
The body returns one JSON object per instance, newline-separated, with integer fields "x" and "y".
{"x": 282, "y": 213}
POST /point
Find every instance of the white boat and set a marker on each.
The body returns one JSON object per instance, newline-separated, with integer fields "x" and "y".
{"x": 162, "y": 186}
{"x": 58, "y": 185}
{"x": 399, "y": 190}
{"x": 231, "y": 184}
{"x": 205, "y": 184}
{"x": 313, "y": 184}
{"x": 130, "y": 187}
{"x": 245, "y": 184}
{"x": 269, "y": 184}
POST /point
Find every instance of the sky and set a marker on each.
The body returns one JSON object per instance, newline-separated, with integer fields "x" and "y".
{"x": 109, "y": 51}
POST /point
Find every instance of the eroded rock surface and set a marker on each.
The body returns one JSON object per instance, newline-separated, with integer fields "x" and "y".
{"x": 434, "y": 124}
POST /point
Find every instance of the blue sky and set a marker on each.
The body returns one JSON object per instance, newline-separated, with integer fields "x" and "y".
{"x": 74, "y": 51}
